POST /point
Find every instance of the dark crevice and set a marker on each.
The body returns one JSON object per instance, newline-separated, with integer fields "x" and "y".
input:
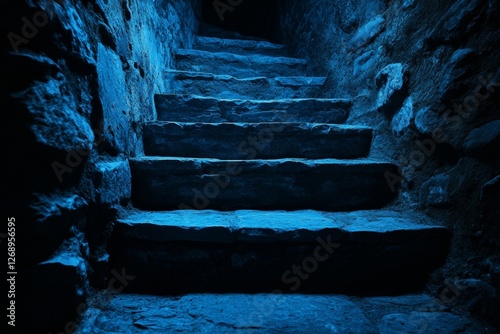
{"x": 255, "y": 18}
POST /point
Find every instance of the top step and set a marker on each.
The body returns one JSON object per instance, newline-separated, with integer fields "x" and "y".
{"x": 240, "y": 46}
{"x": 237, "y": 65}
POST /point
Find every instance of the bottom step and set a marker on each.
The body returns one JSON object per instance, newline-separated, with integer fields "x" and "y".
{"x": 361, "y": 252}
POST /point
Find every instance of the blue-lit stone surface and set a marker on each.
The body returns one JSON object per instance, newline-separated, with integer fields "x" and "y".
{"x": 268, "y": 313}
{"x": 251, "y": 108}
{"x": 251, "y": 251}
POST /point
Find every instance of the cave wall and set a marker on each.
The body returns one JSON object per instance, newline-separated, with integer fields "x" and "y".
{"x": 426, "y": 76}
{"x": 77, "y": 81}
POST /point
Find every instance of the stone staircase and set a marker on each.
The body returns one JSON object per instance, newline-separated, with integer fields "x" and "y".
{"x": 251, "y": 183}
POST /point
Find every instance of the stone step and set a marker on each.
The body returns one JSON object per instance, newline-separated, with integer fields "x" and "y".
{"x": 358, "y": 252}
{"x": 194, "y": 108}
{"x": 240, "y": 46}
{"x": 166, "y": 183}
{"x": 240, "y": 141}
{"x": 226, "y": 86}
{"x": 238, "y": 65}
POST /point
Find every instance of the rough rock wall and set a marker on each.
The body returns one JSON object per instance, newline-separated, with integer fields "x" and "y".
{"x": 426, "y": 75}
{"x": 77, "y": 81}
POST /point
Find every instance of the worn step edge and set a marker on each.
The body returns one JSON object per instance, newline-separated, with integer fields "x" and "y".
{"x": 186, "y": 54}
{"x": 195, "y": 108}
{"x": 313, "y": 128}
{"x": 260, "y": 101}
{"x": 238, "y": 43}
{"x": 253, "y": 226}
{"x": 256, "y": 140}
{"x": 198, "y": 162}
{"x": 287, "y": 81}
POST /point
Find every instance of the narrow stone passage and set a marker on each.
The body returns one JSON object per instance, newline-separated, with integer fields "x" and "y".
{"x": 252, "y": 184}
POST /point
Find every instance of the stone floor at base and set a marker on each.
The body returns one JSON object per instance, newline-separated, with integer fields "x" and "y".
{"x": 273, "y": 313}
